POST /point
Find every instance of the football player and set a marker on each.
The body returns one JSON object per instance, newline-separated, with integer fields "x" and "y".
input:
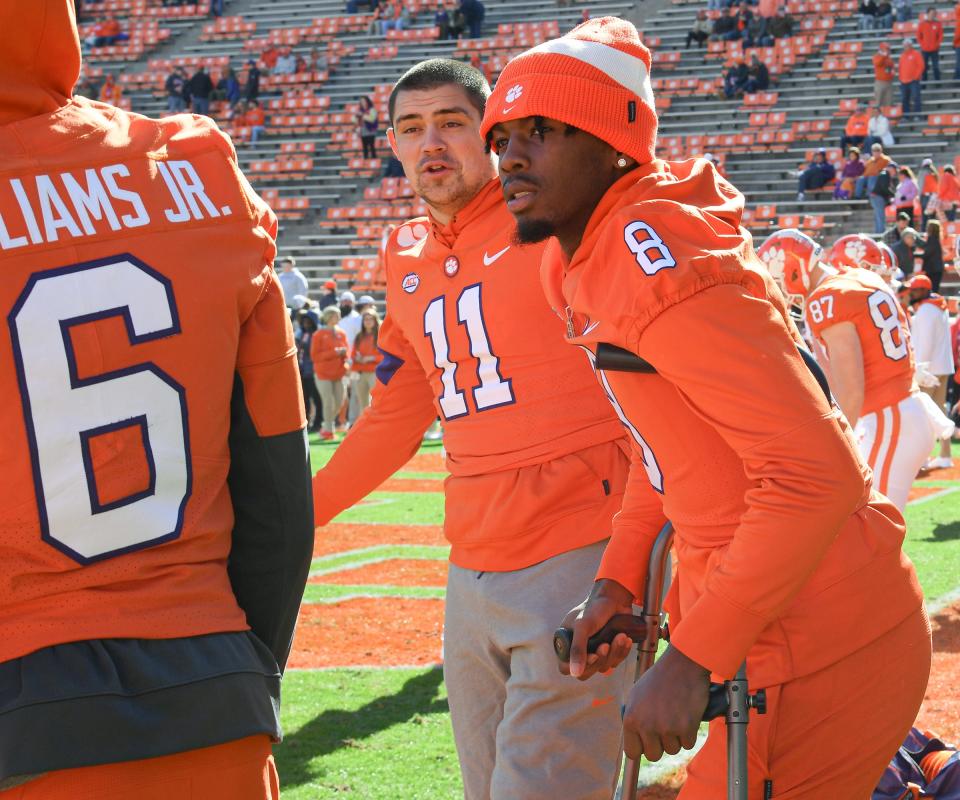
{"x": 155, "y": 526}
{"x": 537, "y": 459}
{"x": 786, "y": 558}
{"x": 864, "y": 336}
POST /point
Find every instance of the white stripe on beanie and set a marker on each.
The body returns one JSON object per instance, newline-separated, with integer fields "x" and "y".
{"x": 627, "y": 70}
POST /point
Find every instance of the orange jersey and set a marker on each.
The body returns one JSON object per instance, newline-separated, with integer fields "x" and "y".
{"x": 468, "y": 337}
{"x": 328, "y": 364}
{"x": 864, "y": 299}
{"x": 883, "y": 67}
{"x": 137, "y": 283}
{"x": 366, "y": 348}
{"x": 777, "y": 533}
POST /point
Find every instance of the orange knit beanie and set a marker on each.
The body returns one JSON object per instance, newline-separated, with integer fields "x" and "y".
{"x": 596, "y": 78}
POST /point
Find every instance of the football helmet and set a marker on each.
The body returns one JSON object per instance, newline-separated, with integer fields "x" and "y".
{"x": 791, "y": 255}
{"x": 857, "y": 250}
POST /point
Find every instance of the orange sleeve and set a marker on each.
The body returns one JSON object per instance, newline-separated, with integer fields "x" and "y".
{"x": 385, "y": 436}
{"x": 635, "y": 527}
{"x": 734, "y": 360}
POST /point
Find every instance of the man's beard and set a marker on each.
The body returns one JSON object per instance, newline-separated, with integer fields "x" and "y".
{"x": 531, "y": 231}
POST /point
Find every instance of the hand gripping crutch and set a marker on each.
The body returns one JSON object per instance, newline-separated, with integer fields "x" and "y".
{"x": 731, "y": 698}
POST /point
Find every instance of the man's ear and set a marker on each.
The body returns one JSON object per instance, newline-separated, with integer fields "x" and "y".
{"x": 392, "y": 138}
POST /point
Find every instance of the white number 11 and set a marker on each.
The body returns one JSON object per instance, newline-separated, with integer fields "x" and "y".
{"x": 494, "y": 390}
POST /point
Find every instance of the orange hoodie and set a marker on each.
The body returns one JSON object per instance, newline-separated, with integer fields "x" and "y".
{"x": 785, "y": 555}
{"x": 137, "y": 281}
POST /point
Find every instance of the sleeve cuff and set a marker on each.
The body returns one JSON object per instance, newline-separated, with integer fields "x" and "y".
{"x": 717, "y": 634}
{"x": 324, "y": 507}
{"x": 625, "y": 561}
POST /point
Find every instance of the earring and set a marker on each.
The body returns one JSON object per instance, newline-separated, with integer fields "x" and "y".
{"x": 621, "y": 162}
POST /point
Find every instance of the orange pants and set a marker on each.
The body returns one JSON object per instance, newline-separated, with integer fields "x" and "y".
{"x": 240, "y": 770}
{"x": 829, "y": 734}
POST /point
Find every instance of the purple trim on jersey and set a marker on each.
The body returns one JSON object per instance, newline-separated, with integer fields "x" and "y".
{"x": 387, "y": 368}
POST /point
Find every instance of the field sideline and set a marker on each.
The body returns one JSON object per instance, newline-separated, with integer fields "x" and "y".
{"x": 364, "y": 708}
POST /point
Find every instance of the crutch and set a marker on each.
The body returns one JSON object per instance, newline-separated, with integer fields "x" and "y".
{"x": 731, "y": 698}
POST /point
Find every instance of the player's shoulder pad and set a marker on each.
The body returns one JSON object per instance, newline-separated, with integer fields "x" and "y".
{"x": 655, "y": 254}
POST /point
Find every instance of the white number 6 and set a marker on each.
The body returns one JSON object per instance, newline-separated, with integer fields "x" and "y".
{"x": 63, "y": 411}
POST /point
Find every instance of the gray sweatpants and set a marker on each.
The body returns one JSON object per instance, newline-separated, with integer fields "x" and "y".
{"x": 523, "y": 730}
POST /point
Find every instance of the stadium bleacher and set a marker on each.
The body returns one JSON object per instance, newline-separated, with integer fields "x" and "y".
{"x": 334, "y": 204}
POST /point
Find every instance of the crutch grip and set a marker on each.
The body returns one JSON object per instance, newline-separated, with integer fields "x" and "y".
{"x": 717, "y": 703}
{"x": 633, "y": 626}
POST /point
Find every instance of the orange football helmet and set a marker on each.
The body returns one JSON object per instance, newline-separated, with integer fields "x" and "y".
{"x": 858, "y": 250}
{"x": 791, "y": 255}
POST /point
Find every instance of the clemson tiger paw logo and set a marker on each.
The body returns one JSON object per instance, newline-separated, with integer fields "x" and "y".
{"x": 775, "y": 259}
{"x": 514, "y": 93}
{"x": 856, "y": 251}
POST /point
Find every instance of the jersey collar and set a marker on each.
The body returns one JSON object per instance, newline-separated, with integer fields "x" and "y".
{"x": 447, "y": 235}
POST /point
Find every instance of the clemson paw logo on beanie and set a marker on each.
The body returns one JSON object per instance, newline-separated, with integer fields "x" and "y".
{"x": 514, "y": 93}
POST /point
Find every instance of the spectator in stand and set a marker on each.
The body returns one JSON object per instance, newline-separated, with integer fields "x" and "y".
{"x": 855, "y": 131}
{"x": 200, "y": 86}
{"x": 930, "y": 37}
{"x": 105, "y": 33}
{"x": 883, "y": 68}
{"x": 251, "y": 89}
{"x": 852, "y": 170}
{"x": 269, "y": 57}
{"x": 328, "y": 350}
{"x": 878, "y": 130}
{"x": 880, "y": 196}
{"x": 948, "y": 197}
{"x": 874, "y": 165}
{"x": 174, "y": 88}
{"x": 884, "y": 18}
{"x": 700, "y": 31}
{"x": 349, "y": 318}
{"x": 817, "y": 174}
{"x": 753, "y": 34}
{"x": 316, "y": 61}
{"x": 216, "y": 8}
{"x": 911, "y": 70}
{"x": 292, "y": 281}
{"x": 301, "y": 65}
{"x": 286, "y": 63}
{"x": 366, "y": 356}
{"x": 441, "y": 21}
{"x": 928, "y": 180}
{"x": 228, "y": 88}
{"x": 758, "y": 76}
{"x": 933, "y": 254}
{"x": 903, "y": 9}
{"x": 367, "y": 126}
{"x": 781, "y": 26}
{"x": 956, "y": 46}
{"x": 353, "y": 6}
{"x": 473, "y": 13}
{"x": 933, "y": 346}
{"x": 868, "y": 15}
{"x": 907, "y": 192}
{"x": 329, "y": 295}
{"x": 111, "y": 91}
{"x": 905, "y": 250}
{"x": 892, "y": 235}
{"x": 256, "y": 120}
{"x": 766, "y": 12}
{"x": 458, "y": 23}
{"x": 725, "y": 28}
{"x": 307, "y": 323}
{"x": 736, "y": 79}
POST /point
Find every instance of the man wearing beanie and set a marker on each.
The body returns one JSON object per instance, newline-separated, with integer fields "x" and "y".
{"x": 538, "y": 460}
{"x": 786, "y": 557}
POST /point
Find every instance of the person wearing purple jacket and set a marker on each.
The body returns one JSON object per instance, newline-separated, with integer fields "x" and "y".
{"x": 907, "y": 192}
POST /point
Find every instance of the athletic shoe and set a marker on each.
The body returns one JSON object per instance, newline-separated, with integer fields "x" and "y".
{"x": 941, "y": 462}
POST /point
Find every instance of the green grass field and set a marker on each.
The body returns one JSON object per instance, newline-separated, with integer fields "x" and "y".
{"x": 384, "y": 733}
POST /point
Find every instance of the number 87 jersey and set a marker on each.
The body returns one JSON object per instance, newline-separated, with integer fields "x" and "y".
{"x": 863, "y": 299}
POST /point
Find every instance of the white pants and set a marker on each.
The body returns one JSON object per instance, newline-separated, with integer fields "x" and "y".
{"x": 523, "y": 730}
{"x": 896, "y": 442}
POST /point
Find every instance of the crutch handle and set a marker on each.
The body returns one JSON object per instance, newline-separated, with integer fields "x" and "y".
{"x": 633, "y": 626}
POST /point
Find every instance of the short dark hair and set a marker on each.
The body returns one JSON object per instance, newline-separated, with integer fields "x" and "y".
{"x": 436, "y": 72}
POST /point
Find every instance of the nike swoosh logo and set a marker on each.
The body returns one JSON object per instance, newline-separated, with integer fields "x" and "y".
{"x": 601, "y": 701}
{"x": 589, "y": 328}
{"x": 488, "y": 260}
{"x": 508, "y": 110}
